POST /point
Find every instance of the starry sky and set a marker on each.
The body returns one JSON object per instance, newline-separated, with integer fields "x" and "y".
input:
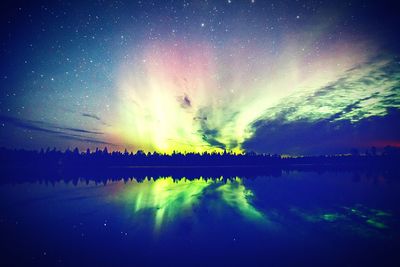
{"x": 287, "y": 77}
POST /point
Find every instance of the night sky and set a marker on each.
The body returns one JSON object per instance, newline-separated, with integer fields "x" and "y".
{"x": 291, "y": 77}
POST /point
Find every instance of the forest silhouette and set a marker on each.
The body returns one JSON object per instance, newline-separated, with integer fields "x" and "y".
{"x": 24, "y": 165}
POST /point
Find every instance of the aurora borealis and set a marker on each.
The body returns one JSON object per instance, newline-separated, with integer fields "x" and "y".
{"x": 293, "y": 77}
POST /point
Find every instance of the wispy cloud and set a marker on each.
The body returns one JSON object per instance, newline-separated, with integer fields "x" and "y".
{"x": 81, "y": 130}
{"x": 365, "y": 91}
{"x": 91, "y": 116}
{"x": 85, "y": 139}
{"x": 185, "y": 101}
{"x": 54, "y": 129}
{"x": 28, "y": 124}
{"x": 94, "y": 117}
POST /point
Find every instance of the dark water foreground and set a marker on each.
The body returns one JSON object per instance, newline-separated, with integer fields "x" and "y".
{"x": 294, "y": 218}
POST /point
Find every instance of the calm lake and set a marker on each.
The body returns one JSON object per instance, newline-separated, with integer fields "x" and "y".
{"x": 295, "y": 219}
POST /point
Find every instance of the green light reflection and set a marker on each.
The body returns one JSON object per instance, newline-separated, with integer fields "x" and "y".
{"x": 234, "y": 193}
{"x": 356, "y": 218}
{"x": 167, "y": 199}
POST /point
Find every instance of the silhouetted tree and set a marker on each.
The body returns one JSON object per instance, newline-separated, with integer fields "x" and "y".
{"x": 354, "y": 152}
{"x": 373, "y": 151}
{"x": 391, "y": 151}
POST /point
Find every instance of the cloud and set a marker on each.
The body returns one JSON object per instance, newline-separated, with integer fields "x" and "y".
{"x": 348, "y": 110}
{"x": 81, "y": 130}
{"x": 185, "y": 101}
{"x": 367, "y": 90}
{"x": 325, "y": 136}
{"x": 85, "y": 139}
{"x": 95, "y": 117}
{"x": 91, "y": 116}
{"x": 54, "y": 129}
{"x": 27, "y": 124}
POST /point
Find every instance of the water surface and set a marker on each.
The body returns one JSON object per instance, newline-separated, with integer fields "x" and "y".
{"x": 299, "y": 218}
